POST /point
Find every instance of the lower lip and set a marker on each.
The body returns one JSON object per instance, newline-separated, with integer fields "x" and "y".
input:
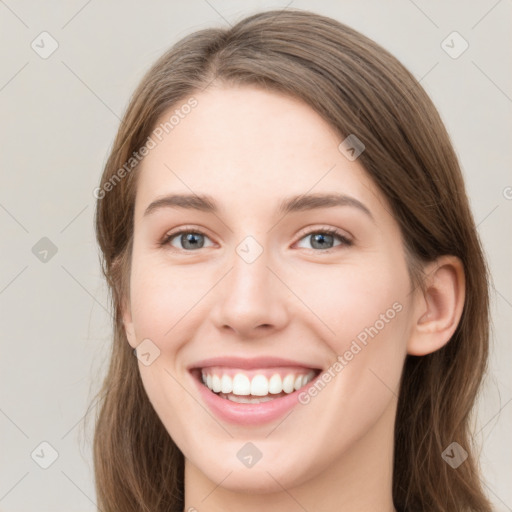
{"x": 249, "y": 414}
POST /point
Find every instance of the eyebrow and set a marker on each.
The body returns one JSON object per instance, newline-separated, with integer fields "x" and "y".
{"x": 292, "y": 204}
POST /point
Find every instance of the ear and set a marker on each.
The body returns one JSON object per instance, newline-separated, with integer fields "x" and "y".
{"x": 128, "y": 323}
{"x": 122, "y": 294}
{"x": 120, "y": 272}
{"x": 438, "y": 307}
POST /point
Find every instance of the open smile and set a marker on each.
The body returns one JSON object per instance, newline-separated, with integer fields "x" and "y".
{"x": 249, "y": 391}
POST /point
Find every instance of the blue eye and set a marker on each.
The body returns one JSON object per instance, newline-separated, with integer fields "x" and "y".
{"x": 190, "y": 240}
{"x": 194, "y": 240}
{"x": 324, "y": 238}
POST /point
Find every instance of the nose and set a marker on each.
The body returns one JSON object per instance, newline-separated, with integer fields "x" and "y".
{"x": 251, "y": 300}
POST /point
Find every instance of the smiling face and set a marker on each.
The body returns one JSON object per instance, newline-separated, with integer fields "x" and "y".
{"x": 255, "y": 296}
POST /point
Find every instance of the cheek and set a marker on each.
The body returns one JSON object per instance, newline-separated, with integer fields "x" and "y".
{"x": 163, "y": 295}
{"x": 166, "y": 308}
{"x": 351, "y": 298}
{"x": 362, "y": 309}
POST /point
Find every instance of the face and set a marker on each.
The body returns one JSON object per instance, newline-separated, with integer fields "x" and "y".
{"x": 295, "y": 317}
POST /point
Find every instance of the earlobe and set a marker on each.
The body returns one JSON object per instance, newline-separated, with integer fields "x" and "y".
{"x": 438, "y": 307}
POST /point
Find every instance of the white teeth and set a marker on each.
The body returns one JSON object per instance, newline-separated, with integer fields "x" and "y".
{"x": 226, "y": 384}
{"x": 288, "y": 383}
{"x": 244, "y": 400}
{"x": 258, "y": 386}
{"x": 216, "y": 385}
{"x": 241, "y": 384}
{"x": 275, "y": 384}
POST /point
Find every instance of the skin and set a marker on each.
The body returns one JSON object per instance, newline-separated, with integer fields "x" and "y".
{"x": 248, "y": 149}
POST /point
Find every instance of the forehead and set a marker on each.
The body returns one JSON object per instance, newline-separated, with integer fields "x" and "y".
{"x": 248, "y": 147}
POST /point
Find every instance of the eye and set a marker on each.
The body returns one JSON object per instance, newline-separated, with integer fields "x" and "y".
{"x": 189, "y": 240}
{"x": 323, "y": 238}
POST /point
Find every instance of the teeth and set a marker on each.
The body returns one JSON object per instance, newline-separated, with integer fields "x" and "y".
{"x": 259, "y": 386}
{"x": 226, "y": 384}
{"x": 288, "y": 383}
{"x": 245, "y": 400}
{"x": 275, "y": 384}
{"x": 241, "y": 384}
{"x": 216, "y": 385}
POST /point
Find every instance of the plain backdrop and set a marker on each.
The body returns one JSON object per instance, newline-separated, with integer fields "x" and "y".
{"x": 59, "y": 115}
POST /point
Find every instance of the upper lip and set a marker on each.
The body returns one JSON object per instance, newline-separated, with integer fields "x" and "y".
{"x": 249, "y": 363}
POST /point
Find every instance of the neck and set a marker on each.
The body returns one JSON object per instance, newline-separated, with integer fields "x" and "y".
{"x": 359, "y": 481}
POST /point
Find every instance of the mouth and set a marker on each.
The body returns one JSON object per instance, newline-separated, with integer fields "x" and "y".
{"x": 248, "y": 392}
{"x": 255, "y": 386}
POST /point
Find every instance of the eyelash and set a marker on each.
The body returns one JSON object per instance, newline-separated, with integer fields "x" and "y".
{"x": 327, "y": 230}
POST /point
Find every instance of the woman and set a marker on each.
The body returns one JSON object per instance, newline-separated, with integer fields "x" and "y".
{"x": 301, "y": 302}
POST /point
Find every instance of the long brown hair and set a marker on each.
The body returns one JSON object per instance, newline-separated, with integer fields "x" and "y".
{"x": 359, "y": 88}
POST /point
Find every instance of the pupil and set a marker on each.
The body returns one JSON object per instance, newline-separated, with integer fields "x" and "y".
{"x": 191, "y": 238}
{"x": 321, "y": 238}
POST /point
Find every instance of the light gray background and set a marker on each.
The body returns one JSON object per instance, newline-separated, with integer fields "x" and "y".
{"x": 58, "y": 119}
